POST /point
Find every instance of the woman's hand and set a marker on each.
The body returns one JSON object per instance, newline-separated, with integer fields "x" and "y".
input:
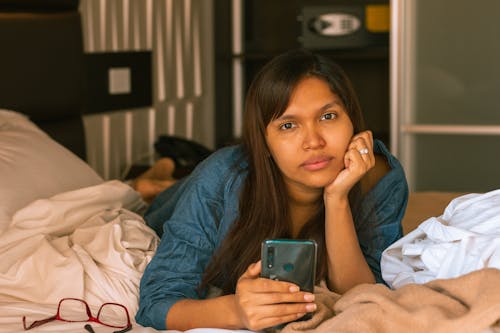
{"x": 358, "y": 160}
{"x": 347, "y": 266}
{"x": 263, "y": 302}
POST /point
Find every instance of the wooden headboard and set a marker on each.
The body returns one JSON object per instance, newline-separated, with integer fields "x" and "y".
{"x": 41, "y": 66}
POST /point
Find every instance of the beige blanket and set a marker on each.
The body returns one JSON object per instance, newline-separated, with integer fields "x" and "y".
{"x": 470, "y": 303}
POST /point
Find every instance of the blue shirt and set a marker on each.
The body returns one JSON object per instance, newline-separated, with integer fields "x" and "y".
{"x": 195, "y": 214}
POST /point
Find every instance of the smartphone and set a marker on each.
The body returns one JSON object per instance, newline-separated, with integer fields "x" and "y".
{"x": 292, "y": 260}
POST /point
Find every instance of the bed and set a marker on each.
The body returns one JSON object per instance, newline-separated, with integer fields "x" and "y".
{"x": 50, "y": 197}
{"x": 67, "y": 233}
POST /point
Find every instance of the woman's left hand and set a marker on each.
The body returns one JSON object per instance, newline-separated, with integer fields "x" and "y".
{"x": 358, "y": 160}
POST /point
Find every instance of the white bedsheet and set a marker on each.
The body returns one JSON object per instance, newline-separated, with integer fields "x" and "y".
{"x": 84, "y": 243}
{"x": 465, "y": 238}
{"x": 87, "y": 244}
{"x": 11, "y": 314}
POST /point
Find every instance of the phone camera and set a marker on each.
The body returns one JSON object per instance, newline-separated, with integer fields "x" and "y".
{"x": 270, "y": 257}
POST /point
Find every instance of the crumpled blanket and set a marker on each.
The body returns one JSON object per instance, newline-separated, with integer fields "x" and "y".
{"x": 86, "y": 243}
{"x": 469, "y": 303}
{"x": 465, "y": 238}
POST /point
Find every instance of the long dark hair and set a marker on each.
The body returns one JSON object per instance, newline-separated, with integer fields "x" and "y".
{"x": 263, "y": 203}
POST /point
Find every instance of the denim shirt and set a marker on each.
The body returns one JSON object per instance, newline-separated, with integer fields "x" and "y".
{"x": 195, "y": 214}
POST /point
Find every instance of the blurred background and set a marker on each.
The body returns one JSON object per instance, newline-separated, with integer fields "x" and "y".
{"x": 426, "y": 73}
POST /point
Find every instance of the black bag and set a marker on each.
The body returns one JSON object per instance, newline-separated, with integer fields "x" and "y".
{"x": 185, "y": 153}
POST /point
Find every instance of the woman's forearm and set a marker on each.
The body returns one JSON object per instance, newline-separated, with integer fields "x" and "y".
{"x": 219, "y": 312}
{"x": 347, "y": 266}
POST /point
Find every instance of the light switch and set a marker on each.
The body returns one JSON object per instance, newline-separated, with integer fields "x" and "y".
{"x": 119, "y": 80}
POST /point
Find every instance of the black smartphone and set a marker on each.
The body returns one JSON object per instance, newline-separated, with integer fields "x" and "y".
{"x": 291, "y": 260}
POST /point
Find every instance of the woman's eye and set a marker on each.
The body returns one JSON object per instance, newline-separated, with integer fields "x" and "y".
{"x": 287, "y": 126}
{"x": 328, "y": 116}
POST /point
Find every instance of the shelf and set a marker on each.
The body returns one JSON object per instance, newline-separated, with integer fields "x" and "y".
{"x": 368, "y": 53}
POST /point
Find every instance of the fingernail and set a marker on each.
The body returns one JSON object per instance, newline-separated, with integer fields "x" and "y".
{"x": 294, "y": 289}
{"x": 309, "y": 297}
{"x": 311, "y": 307}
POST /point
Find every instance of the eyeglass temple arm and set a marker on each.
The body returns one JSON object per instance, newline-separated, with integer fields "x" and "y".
{"x": 37, "y": 322}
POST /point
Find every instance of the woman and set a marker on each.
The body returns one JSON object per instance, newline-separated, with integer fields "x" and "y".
{"x": 305, "y": 169}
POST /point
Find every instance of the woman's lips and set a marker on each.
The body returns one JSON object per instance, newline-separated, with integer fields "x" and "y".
{"x": 316, "y": 163}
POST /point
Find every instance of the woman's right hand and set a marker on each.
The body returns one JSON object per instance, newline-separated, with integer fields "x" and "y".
{"x": 263, "y": 303}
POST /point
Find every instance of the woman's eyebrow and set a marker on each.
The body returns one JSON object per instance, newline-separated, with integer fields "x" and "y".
{"x": 335, "y": 102}
{"x": 284, "y": 117}
{"x": 331, "y": 104}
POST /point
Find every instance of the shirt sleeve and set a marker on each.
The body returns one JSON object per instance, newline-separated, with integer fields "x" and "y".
{"x": 380, "y": 212}
{"x": 188, "y": 242}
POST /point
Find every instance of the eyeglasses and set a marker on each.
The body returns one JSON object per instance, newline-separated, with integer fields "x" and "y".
{"x": 77, "y": 310}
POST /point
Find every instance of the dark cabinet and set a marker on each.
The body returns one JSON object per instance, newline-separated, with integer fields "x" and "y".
{"x": 270, "y": 27}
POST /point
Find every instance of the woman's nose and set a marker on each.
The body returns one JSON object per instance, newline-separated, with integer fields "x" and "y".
{"x": 313, "y": 139}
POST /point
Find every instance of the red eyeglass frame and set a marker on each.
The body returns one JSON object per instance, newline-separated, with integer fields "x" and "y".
{"x": 57, "y": 316}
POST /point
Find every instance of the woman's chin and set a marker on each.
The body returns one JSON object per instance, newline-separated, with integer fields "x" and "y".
{"x": 321, "y": 182}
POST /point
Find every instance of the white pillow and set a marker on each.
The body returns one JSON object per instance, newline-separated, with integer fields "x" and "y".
{"x": 34, "y": 166}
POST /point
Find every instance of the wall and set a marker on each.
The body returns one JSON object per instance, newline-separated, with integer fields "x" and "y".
{"x": 445, "y": 79}
{"x": 180, "y": 35}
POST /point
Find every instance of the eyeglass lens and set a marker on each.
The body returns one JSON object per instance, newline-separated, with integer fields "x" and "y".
{"x": 113, "y": 315}
{"x": 73, "y": 310}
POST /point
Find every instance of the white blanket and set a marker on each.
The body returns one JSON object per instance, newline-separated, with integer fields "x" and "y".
{"x": 464, "y": 239}
{"x": 11, "y": 314}
{"x": 85, "y": 243}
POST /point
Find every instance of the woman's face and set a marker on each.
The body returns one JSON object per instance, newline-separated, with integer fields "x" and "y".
{"x": 309, "y": 140}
